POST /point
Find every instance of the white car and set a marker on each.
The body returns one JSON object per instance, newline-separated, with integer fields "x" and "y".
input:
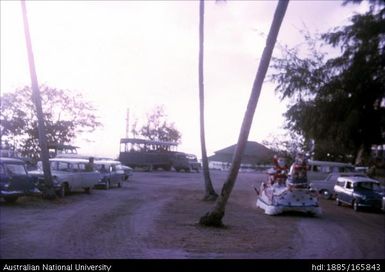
{"x": 325, "y": 187}
{"x": 112, "y": 175}
{"x": 318, "y": 170}
{"x": 69, "y": 174}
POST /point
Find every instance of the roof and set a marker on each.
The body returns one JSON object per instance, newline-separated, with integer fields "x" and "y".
{"x": 251, "y": 149}
{"x": 329, "y": 163}
{"x": 348, "y": 174}
{"x": 254, "y": 153}
{"x": 357, "y": 179}
{"x": 106, "y": 162}
{"x": 69, "y": 160}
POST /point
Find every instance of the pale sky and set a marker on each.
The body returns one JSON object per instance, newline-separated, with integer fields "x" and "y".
{"x": 138, "y": 54}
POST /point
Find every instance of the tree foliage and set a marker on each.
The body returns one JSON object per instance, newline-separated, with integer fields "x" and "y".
{"x": 157, "y": 128}
{"x": 338, "y": 101}
{"x": 287, "y": 145}
{"x": 66, "y": 115}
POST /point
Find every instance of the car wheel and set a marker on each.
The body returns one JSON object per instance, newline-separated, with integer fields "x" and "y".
{"x": 107, "y": 186}
{"x": 326, "y": 194}
{"x": 355, "y": 205}
{"x": 10, "y": 199}
{"x": 62, "y": 191}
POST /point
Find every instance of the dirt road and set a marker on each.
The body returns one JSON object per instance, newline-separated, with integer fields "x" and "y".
{"x": 155, "y": 216}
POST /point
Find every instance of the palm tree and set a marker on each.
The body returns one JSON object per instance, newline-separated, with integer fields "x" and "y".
{"x": 36, "y": 98}
{"x": 210, "y": 193}
{"x": 214, "y": 218}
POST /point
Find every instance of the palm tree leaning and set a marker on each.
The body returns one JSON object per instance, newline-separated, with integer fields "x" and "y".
{"x": 36, "y": 98}
{"x": 210, "y": 193}
{"x": 214, "y": 217}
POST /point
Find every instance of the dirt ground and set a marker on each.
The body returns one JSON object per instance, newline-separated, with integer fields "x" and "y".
{"x": 155, "y": 216}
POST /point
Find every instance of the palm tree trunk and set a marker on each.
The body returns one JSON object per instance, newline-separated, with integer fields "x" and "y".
{"x": 214, "y": 218}
{"x": 36, "y": 98}
{"x": 210, "y": 193}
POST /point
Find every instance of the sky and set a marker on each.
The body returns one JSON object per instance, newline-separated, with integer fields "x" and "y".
{"x": 139, "y": 54}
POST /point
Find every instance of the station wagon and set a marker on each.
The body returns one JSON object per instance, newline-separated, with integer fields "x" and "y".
{"x": 14, "y": 180}
{"x": 69, "y": 174}
{"x": 359, "y": 192}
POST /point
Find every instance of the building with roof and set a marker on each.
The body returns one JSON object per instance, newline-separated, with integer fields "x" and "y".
{"x": 255, "y": 156}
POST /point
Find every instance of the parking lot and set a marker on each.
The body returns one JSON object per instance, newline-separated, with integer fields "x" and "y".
{"x": 155, "y": 215}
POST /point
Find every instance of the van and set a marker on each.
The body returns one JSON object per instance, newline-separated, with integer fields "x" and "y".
{"x": 319, "y": 170}
{"x": 186, "y": 162}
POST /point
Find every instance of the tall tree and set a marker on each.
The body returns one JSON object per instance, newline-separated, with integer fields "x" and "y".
{"x": 39, "y": 112}
{"x": 287, "y": 145}
{"x": 157, "y": 128}
{"x": 66, "y": 114}
{"x": 214, "y": 217}
{"x": 210, "y": 193}
{"x": 339, "y": 102}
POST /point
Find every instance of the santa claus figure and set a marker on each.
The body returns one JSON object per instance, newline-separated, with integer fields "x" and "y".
{"x": 298, "y": 170}
{"x": 280, "y": 170}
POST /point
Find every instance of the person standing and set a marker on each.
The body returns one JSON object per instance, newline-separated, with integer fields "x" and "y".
{"x": 90, "y": 165}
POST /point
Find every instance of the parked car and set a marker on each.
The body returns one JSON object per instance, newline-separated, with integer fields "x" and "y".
{"x": 14, "y": 180}
{"x": 362, "y": 169}
{"x": 186, "y": 162}
{"x": 325, "y": 187}
{"x": 11, "y": 153}
{"x": 318, "y": 170}
{"x": 69, "y": 174}
{"x": 383, "y": 202}
{"x": 111, "y": 173}
{"x": 126, "y": 170}
{"x": 359, "y": 192}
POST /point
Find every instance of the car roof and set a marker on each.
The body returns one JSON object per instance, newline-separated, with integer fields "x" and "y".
{"x": 69, "y": 160}
{"x": 357, "y": 179}
{"x": 106, "y": 162}
{"x": 348, "y": 174}
{"x": 14, "y": 160}
{"x": 329, "y": 163}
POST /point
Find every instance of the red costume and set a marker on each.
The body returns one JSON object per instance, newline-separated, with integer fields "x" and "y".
{"x": 280, "y": 170}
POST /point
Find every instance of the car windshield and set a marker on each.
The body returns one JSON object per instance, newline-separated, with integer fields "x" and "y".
{"x": 372, "y": 186}
{"x": 15, "y": 169}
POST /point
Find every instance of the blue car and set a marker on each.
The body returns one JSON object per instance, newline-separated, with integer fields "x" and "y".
{"x": 359, "y": 192}
{"x": 14, "y": 180}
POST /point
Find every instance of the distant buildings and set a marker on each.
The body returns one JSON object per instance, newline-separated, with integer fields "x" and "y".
{"x": 256, "y": 156}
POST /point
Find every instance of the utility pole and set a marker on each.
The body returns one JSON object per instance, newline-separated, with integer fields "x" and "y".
{"x": 36, "y": 98}
{"x": 128, "y": 122}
